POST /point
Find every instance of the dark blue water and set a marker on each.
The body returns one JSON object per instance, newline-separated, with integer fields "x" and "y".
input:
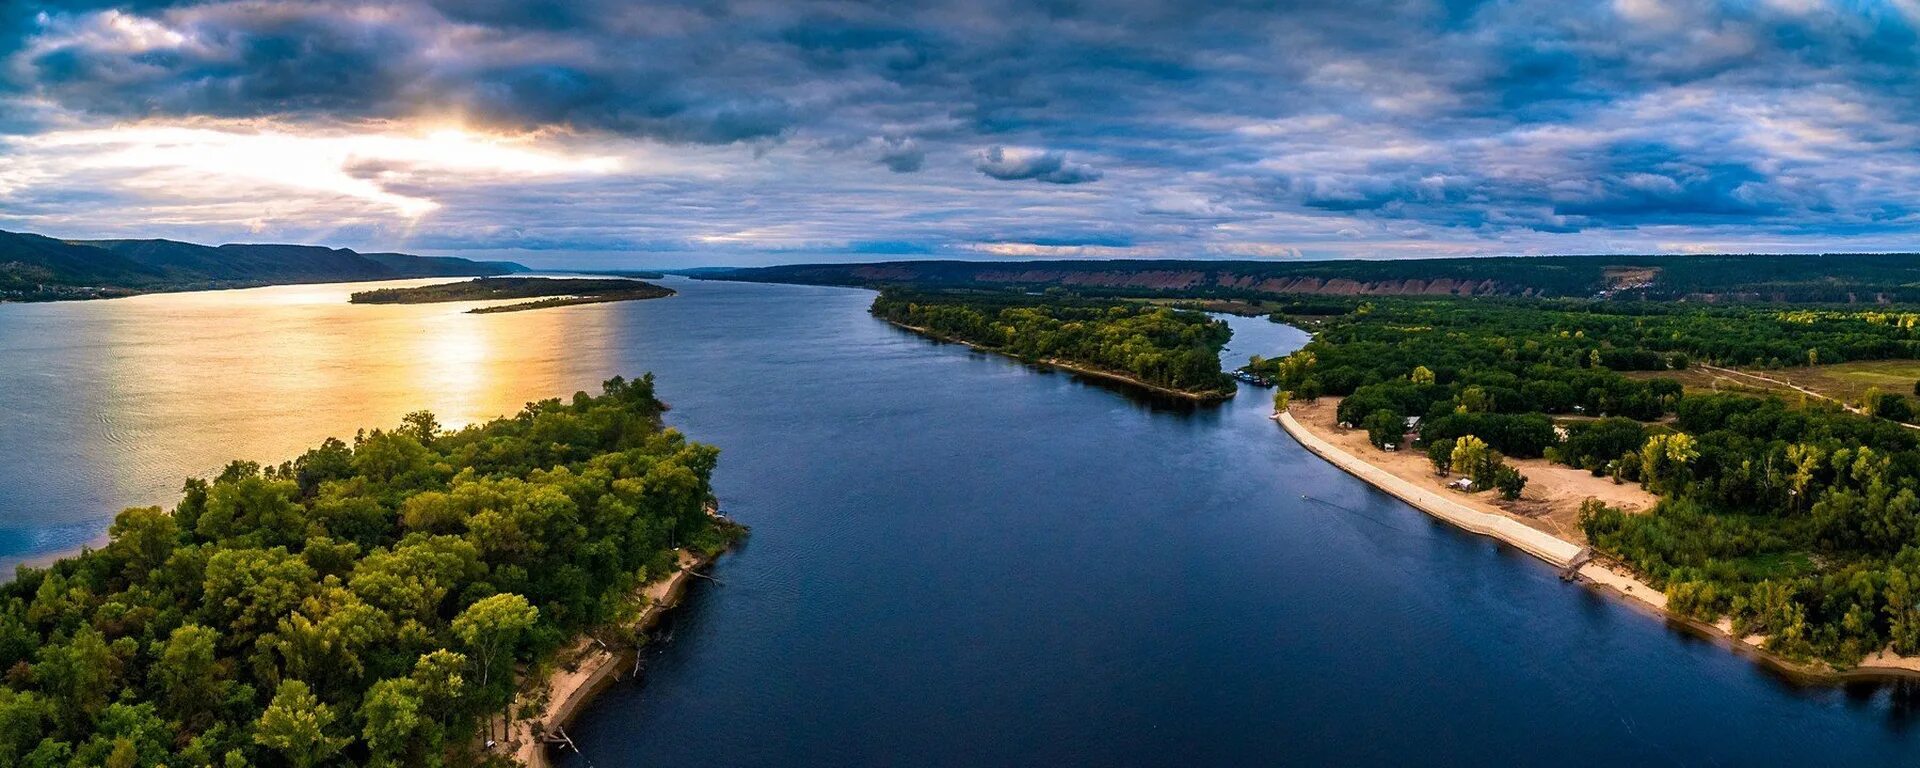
{"x": 960, "y": 560}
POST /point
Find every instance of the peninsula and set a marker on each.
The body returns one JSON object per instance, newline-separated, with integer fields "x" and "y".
{"x": 1785, "y": 524}
{"x": 382, "y": 602}
{"x": 1163, "y": 350}
{"x": 546, "y": 292}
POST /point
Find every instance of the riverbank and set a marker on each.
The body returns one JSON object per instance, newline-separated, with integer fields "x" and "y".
{"x": 1084, "y": 370}
{"x": 1597, "y": 573}
{"x": 589, "y": 666}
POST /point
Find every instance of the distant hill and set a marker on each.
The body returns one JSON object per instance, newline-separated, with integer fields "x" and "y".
{"x": 1847, "y": 278}
{"x": 39, "y": 268}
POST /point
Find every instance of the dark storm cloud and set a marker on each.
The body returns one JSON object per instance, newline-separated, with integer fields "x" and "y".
{"x": 1498, "y": 126}
{"x": 902, "y": 155}
{"x": 1050, "y": 167}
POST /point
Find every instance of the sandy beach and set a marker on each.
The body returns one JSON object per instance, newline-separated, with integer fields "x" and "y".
{"x": 1543, "y": 523}
{"x": 588, "y": 667}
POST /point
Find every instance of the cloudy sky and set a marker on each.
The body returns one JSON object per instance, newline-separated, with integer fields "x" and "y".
{"x": 743, "y": 131}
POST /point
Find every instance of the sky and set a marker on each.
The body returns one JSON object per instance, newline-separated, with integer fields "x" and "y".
{"x": 601, "y": 133}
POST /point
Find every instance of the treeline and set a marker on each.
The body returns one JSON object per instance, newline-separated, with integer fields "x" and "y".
{"x": 1640, "y": 336}
{"x": 1164, "y": 347}
{"x": 1800, "y": 522}
{"x": 1796, "y": 278}
{"x": 366, "y": 603}
{"x": 39, "y": 268}
{"x": 498, "y": 288}
{"x": 1479, "y": 368}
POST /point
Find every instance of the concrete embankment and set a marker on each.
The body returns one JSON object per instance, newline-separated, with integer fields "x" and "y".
{"x": 1562, "y": 553}
{"x": 1559, "y": 552}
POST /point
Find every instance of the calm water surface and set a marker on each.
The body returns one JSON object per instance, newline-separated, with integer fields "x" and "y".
{"x": 955, "y": 560}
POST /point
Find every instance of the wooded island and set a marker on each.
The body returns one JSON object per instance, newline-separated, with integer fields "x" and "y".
{"x": 548, "y": 292}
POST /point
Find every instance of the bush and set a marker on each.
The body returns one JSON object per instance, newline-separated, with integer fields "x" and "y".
{"x": 1509, "y": 481}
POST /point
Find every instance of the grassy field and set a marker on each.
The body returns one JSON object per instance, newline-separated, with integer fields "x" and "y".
{"x": 1699, "y": 380}
{"x": 1849, "y": 382}
{"x": 1846, "y": 382}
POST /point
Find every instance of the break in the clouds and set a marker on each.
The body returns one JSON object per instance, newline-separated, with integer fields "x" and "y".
{"x": 717, "y": 129}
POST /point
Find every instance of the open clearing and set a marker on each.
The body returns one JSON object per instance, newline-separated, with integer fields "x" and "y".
{"x": 1846, "y": 382}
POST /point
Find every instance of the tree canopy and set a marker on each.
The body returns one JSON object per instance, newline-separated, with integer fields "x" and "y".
{"x": 1797, "y": 521}
{"x": 1164, "y": 347}
{"x": 365, "y": 603}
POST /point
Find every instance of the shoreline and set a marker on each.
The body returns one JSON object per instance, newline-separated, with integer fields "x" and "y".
{"x": 1072, "y": 367}
{"x": 121, "y": 292}
{"x": 1600, "y": 577}
{"x": 564, "y": 301}
{"x": 569, "y": 691}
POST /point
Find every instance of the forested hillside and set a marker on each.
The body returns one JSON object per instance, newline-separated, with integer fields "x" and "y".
{"x": 37, "y": 268}
{"x": 1161, "y": 347}
{"x": 1795, "y": 519}
{"x": 366, "y": 603}
{"x": 1835, "y": 278}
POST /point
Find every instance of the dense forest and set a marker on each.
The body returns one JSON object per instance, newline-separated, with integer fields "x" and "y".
{"x": 1163, "y": 347}
{"x": 366, "y": 603}
{"x": 1815, "y": 278}
{"x": 37, "y": 268}
{"x": 1796, "y": 520}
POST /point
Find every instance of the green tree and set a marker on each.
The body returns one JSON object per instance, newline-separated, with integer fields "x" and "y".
{"x": 143, "y": 538}
{"x": 1509, "y": 481}
{"x": 247, "y": 590}
{"x": 79, "y": 675}
{"x": 24, "y": 716}
{"x": 296, "y": 725}
{"x": 192, "y": 682}
{"x": 127, "y": 736}
{"x": 1666, "y": 460}
{"x": 390, "y": 719}
{"x": 492, "y": 630}
{"x": 1893, "y": 407}
{"x": 1440, "y": 452}
{"x": 1470, "y": 455}
{"x": 422, "y": 426}
{"x": 1476, "y": 400}
{"x": 1384, "y": 428}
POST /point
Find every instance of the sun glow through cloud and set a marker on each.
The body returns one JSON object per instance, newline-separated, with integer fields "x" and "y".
{"x": 1146, "y": 128}
{"x": 365, "y": 166}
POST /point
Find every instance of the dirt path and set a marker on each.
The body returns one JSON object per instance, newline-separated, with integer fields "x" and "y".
{"x": 1796, "y": 388}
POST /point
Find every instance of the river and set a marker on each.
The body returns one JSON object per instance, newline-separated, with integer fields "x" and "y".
{"x": 956, "y": 559}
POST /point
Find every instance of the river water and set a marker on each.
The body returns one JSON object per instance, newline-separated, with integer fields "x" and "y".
{"x": 956, "y": 559}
